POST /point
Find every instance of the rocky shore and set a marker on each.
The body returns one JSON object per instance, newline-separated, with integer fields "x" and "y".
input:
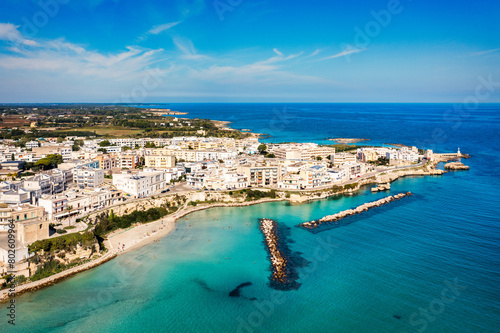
{"x": 283, "y": 275}
{"x": 381, "y": 187}
{"x": 56, "y": 277}
{"x": 349, "y": 212}
{"x": 456, "y": 166}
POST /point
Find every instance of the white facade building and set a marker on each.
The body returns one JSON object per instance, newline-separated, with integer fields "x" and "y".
{"x": 141, "y": 184}
{"x": 88, "y": 177}
{"x": 32, "y": 144}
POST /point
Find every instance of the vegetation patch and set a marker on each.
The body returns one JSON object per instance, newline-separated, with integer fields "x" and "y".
{"x": 108, "y": 223}
{"x": 66, "y": 242}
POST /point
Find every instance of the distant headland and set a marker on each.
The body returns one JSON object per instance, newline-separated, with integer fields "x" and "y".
{"x": 348, "y": 140}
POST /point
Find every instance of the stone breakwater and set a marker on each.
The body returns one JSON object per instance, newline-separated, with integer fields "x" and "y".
{"x": 283, "y": 275}
{"x": 56, "y": 277}
{"x": 349, "y": 212}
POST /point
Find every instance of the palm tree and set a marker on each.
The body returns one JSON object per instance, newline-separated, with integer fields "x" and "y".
{"x": 69, "y": 208}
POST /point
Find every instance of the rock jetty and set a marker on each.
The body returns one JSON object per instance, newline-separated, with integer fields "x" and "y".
{"x": 456, "y": 166}
{"x": 349, "y": 212}
{"x": 283, "y": 275}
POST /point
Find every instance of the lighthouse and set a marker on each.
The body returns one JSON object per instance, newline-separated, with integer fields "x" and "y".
{"x": 458, "y": 152}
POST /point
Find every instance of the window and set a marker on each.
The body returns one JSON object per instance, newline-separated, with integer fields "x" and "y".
{"x": 40, "y": 226}
{"x": 25, "y": 216}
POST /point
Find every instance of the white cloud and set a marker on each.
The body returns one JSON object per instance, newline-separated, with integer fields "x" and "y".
{"x": 162, "y": 27}
{"x": 60, "y": 70}
{"x": 187, "y": 48}
{"x": 62, "y": 57}
{"x": 9, "y": 32}
{"x": 346, "y": 52}
{"x": 157, "y": 29}
{"x": 277, "y": 52}
{"x": 269, "y": 72}
{"x": 315, "y": 53}
{"x": 480, "y": 53}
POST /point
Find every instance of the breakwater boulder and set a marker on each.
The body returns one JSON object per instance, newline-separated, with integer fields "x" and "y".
{"x": 284, "y": 263}
{"x": 350, "y": 212}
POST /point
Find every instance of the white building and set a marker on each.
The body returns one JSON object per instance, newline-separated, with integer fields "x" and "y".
{"x": 88, "y": 177}
{"x": 55, "y": 206}
{"x": 342, "y": 158}
{"x": 141, "y": 184}
{"x": 84, "y": 202}
{"x": 32, "y": 144}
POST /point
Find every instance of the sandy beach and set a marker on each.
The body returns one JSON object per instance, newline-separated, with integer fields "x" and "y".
{"x": 122, "y": 241}
{"x": 144, "y": 234}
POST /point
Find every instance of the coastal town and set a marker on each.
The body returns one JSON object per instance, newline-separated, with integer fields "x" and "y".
{"x": 53, "y": 187}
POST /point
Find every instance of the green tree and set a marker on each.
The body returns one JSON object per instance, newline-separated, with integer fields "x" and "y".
{"x": 262, "y": 148}
{"x": 104, "y": 143}
{"x": 51, "y": 161}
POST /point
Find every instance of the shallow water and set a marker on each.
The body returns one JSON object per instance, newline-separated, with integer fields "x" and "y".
{"x": 373, "y": 274}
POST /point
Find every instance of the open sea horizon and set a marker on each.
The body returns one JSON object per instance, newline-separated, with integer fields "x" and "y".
{"x": 429, "y": 263}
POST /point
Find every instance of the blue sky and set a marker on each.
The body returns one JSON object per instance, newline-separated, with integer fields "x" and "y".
{"x": 133, "y": 51}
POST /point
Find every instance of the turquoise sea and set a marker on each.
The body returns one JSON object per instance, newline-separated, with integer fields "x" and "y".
{"x": 429, "y": 263}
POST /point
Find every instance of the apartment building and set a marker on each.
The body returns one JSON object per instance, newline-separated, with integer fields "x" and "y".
{"x": 159, "y": 161}
{"x": 367, "y": 155}
{"x": 261, "y": 174}
{"x": 342, "y": 158}
{"x": 191, "y": 155}
{"x": 315, "y": 176}
{"x": 88, "y": 177}
{"x": 141, "y": 184}
{"x": 127, "y": 161}
{"x": 354, "y": 169}
{"x": 56, "y": 206}
{"x": 197, "y": 179}
{"x": 52, "y": 182}
{"x": 301, "y": 151}
{"x": 291, "y": 181}
{"x": 32, "y": 144}
{"x": 106, "y": 162}
{"x": 402, "y": 156}
{"x": 84, "y": 202}
{"x": 233, "y": 179}
{"x": 15, "y": 196}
